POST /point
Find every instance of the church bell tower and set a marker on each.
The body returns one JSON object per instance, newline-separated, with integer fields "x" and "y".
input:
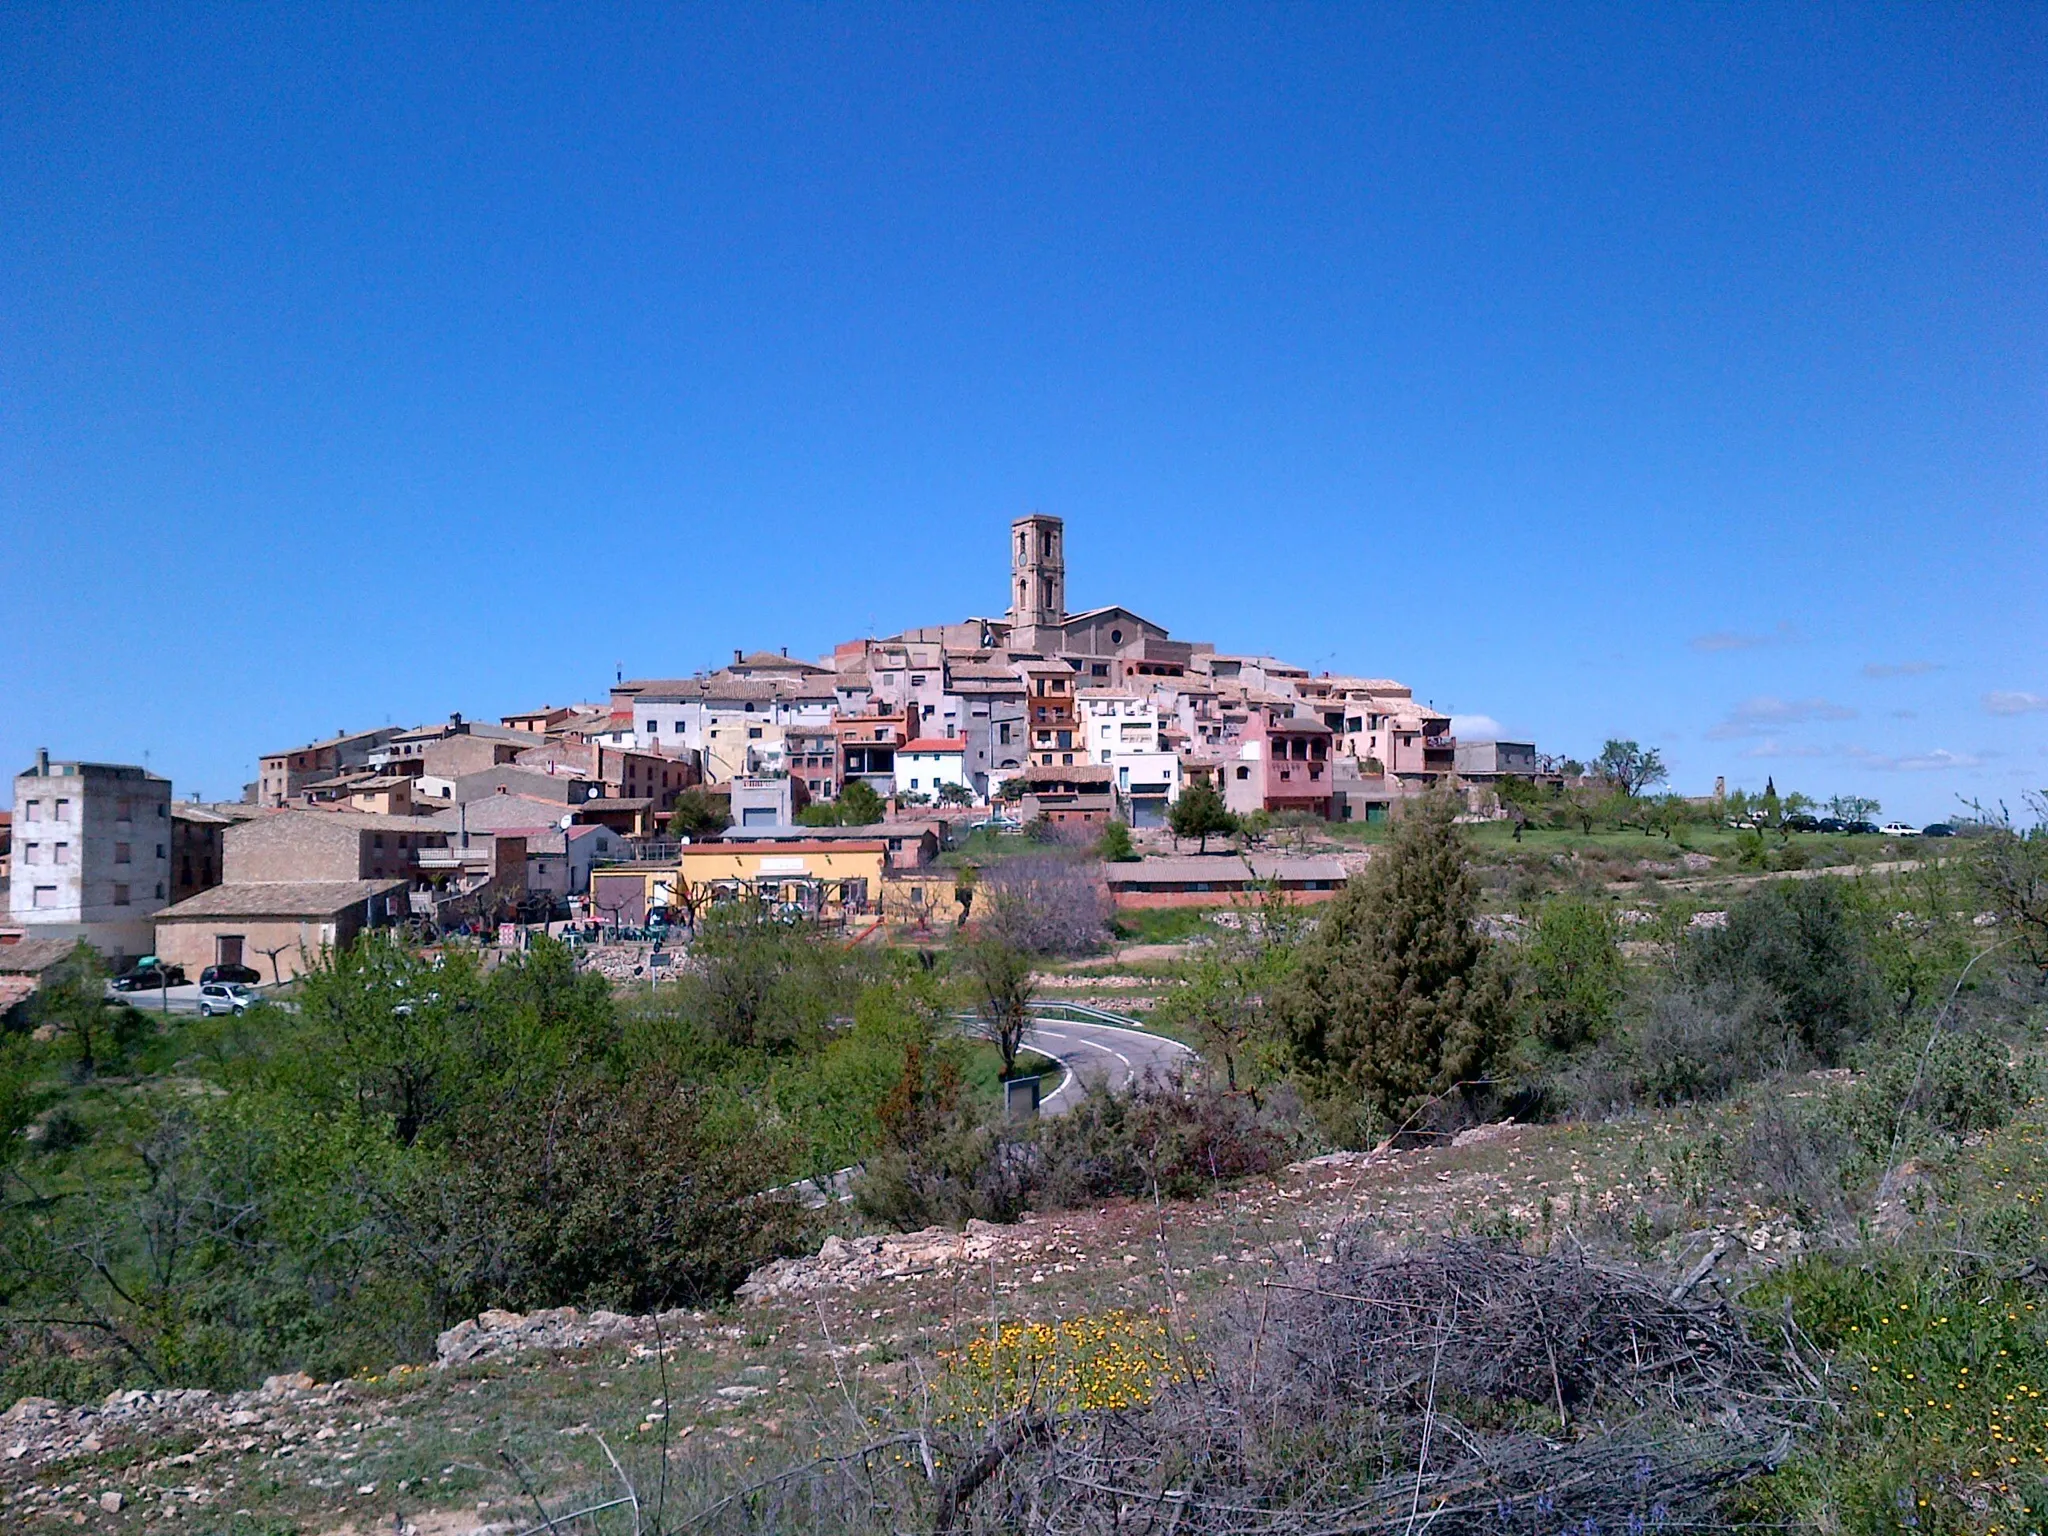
{"x": 1038, "y": 571}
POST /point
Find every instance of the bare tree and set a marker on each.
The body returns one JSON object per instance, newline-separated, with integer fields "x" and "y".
{"x": 1045, "y": 904}
{"x": 1001, "y": 976}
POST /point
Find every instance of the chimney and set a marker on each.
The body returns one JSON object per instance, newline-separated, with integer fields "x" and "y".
{"x": 462, "y": 821}
{"x": 785, "y": 650}
{"x": 738, "y": 655}
{"x": 42, "y": 762}
{"x": 455, "y": 718}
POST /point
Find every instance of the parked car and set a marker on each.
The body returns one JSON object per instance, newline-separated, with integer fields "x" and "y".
{"x": 1937, "y": 829}
{"x": 240, "y": 973}
{"x": 149, "y": 975}
{"x": 1832, "y": 824}
{"x": 227, "y": 997}
{"x": 1799, "y": 821}
{"x": 1900, "y": 829}
{"x": 1859, "y": 827}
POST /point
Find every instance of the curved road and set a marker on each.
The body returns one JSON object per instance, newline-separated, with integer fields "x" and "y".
{"x": 1091, "y": 1049}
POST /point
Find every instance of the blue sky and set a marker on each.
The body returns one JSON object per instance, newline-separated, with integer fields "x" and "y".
{"x": 1674, "y": 373}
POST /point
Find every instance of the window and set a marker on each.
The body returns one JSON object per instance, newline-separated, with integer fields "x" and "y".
{"x": 63, "y": 810}
{"x": 159, "y": 850}
{"x": 63, "y": 854}
{"x": 917, "y": 679}
{"x": 376, "y": 839}
{"x": 32, "y": 854}
{"x": 159, "y": 890}
{"x": 46, "y": 896}
{"x": 123, "y": 853}
{"x": 120, "y": 895}
{"x": 33, "y": 811}
{"x": 1116, "y": 637}
{"x": 679, "y": 728}
{"x": 1100, "y": 669}
{"x": 753, "y": 733}
{"x": 124, "y": 810}
{"x": 1244, "y": 773}
{"x": 1105, "y": 757}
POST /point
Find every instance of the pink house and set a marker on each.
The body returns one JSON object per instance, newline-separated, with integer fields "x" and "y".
{"x": 1282, "y": 763}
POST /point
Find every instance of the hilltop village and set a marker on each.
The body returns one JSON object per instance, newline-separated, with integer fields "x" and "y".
{"x": 828, "y": 787}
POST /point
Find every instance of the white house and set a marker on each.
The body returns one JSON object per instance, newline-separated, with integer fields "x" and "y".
{"x": 1122, "y": 732}
{"x": 927, "y": 764}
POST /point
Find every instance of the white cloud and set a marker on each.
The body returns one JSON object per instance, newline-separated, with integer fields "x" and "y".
{"x": 1940, "y": 760}
{"x": 1776, "y": 748}
{"x": 2013, "y": 702}
{"x": 1475, "y": 728}
{"x": 1899, "y": 668}
{"x": 1733, "y": 640}
{"x": 1763, "y": 714}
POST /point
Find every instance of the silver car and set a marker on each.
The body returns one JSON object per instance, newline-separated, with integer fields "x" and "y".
{"x": 217, "y": 997}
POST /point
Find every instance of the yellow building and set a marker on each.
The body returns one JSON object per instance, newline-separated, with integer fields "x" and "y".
{"x": 840, "y": 880}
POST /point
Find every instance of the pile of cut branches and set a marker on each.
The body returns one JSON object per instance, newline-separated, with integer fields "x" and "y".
{"x": 1461, "y": 1388}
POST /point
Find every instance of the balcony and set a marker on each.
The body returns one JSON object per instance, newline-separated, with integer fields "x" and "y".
{"x": 477, "y": 856}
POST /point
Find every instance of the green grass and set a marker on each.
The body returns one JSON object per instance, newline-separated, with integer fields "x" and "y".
{"x": 1161, "y": 925}
{"x": 984, "y": 1073}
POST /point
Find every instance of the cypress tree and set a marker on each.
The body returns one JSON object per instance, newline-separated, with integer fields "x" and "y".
{"x": 1397, "y": 998}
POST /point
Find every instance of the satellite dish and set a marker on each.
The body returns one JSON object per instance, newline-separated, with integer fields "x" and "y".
{"x": 567, "y": 821}
{"x": 596, "y": 791}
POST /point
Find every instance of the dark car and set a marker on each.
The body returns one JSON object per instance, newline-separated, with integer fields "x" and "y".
{"x": 1832, "y": 824}
{"x": 242, "y": 973}
{"x": 1799, "y": 821}
{"x": 1860, "y": 827}
{"x": 149, "y": 978}
{"x": 1938, "y": 829}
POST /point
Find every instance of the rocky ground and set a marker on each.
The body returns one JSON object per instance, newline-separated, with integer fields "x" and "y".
{"x": 518, "y": 1412}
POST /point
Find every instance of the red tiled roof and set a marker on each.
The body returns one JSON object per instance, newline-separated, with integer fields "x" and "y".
{"x": 935, "y": 744}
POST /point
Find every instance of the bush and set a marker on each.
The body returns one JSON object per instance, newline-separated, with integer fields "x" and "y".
{"x": 631, "y": 1195}
{"x": 1794, "y": 961}
{"x": 1574, "y": 969}
{"x": 948, "y": 1163}
{"x": 1160, "y": 1137}
{"x": 1927, "y": 1093}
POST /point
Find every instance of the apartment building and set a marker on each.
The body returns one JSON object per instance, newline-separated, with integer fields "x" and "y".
{"x": 92, "y": 854}
{"x": 1124, "y": 733}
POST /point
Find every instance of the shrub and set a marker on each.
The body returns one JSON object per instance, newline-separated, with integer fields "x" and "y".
{"x": 1115, "y": 844}
{"x": 947, "y": 1162}
{"x": 1794, "y": 960}
{"x": 1161, "y": 1136}
{"x": 630, "y": 1195}
{"x": 1574, "y": 967}
{"x": 1917, "y": 1094}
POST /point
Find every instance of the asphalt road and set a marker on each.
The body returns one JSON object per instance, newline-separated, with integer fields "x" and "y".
{"x": 1090, "y": 1051}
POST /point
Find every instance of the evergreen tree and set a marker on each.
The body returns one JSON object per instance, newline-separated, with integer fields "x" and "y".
{"x": 1396, "y": 998}
{"x": 859, "y": 805}
{"x": 1200, "y": 813}
{"x": 698, "y": 813}
{"x": 1115, "y": 847}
